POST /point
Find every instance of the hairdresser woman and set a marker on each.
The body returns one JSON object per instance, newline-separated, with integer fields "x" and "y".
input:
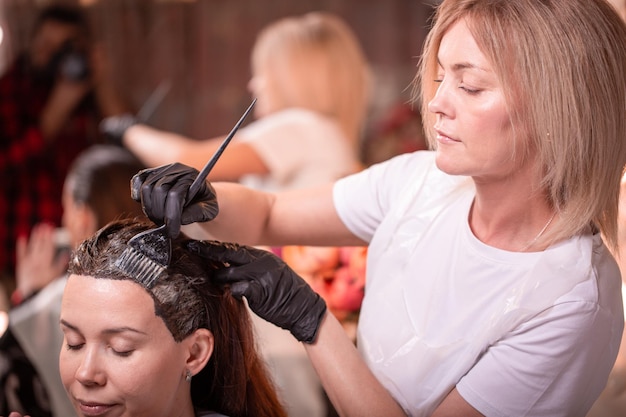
{"x": 489, "y": 289}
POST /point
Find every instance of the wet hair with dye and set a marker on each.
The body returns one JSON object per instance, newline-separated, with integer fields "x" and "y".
{"x": 99, "y": 178}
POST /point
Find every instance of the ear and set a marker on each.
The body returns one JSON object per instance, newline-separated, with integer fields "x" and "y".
{"x": 200, "y": 348}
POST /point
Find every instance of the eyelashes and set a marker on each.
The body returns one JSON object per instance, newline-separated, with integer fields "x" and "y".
{"x": 73, "y": 347}
{"x": 123, "y": 353}
{"x": 468, "y": 90}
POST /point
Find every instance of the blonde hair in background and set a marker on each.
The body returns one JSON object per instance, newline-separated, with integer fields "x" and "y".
{"x": 562, "y": 67}
{"x": 315, "y": 62}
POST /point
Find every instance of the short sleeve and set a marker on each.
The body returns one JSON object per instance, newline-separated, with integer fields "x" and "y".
{"x": 362, "y": 200}
{"x": 300, "y": 148}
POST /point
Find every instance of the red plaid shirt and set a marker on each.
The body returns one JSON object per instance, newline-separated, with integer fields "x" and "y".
{"x": 32, "y": 172}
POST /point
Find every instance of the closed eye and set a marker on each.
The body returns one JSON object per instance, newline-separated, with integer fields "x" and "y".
{"x": 123, "y": 354}
{"x": 74, "y": 347}
{"x": 470, "y": 90}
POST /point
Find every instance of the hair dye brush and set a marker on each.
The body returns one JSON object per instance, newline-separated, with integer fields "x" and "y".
{"x": 148, "y": 253}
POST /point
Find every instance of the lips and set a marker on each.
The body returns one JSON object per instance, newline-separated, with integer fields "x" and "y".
{"x": 443, "y": 137}
{"x": 93, "y": 409}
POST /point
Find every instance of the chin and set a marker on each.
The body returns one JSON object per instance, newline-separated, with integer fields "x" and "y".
{"x": 448, "y": 165}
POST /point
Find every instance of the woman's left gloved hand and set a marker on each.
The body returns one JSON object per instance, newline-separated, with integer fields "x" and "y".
{"x": 273, "y": 290}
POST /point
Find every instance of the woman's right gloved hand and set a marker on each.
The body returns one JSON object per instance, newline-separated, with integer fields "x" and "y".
{"x": 162, "y": 192}
{"x": 273, "y": 290}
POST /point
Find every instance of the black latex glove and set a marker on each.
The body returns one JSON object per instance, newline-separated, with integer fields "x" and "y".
{"x": 162, "y": 192}
{"x": 114, "y": 127}
{"x": 273, "y": 290}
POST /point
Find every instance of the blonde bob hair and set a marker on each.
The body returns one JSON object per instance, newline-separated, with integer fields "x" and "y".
{"x": 562, "y": 67}
{"x": 315, "y": 62}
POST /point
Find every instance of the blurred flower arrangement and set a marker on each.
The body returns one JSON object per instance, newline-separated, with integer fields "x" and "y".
{"x": 398, "y": 131}
{"x": 335, "y": 273}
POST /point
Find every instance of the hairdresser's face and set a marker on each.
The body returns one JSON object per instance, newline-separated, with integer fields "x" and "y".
{"x": 119, "y": 358}
{"x": 474, "y": 132}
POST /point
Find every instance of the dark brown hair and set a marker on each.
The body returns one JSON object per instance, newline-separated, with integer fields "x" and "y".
{"x": 66, "y": 14}
{"x": 235, "y": 381}
{"x": 100, "y": 179}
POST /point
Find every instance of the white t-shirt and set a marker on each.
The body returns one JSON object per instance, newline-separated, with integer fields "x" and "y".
{"x": 517, "y": 333}
{"x": 300, "y": 148}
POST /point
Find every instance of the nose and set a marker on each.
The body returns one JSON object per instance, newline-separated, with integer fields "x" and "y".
{"x": 254, "y": 85}
{"x": 90, "y": 371}
{"x": 257, "y": 86}
{"x": 440, "y": 103}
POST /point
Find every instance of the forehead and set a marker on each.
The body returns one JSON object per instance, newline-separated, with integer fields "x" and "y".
{"x": 459, "y": 49}
{"x": 96, "y": 304}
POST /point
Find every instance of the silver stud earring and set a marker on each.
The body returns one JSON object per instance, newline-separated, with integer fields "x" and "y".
{"x": 188, "y": 376}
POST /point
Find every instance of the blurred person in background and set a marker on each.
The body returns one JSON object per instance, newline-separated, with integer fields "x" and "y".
{"x": 52, "y": 98}
{"x": 311, "y": 80}
{"x": 95, "y": 193}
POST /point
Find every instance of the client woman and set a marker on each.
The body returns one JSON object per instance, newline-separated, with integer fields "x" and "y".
{"x": 184, "y": 347}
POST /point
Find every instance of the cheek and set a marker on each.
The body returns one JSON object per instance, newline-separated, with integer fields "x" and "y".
{"x": 67, "y": 367}
{"x": 492, "y": 129}
{"x": 148, "y": 388}
{"x": 489, "y": 116}
{"x": 503, "y": 140}
{"x": 155, "y": 374}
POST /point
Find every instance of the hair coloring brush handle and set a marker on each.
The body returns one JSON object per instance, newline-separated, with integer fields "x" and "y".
{"x": 197, "y": 183}
{"x": 148, "y": 253}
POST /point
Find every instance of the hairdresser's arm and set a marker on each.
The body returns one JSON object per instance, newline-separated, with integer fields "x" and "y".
{"x": 345, "y": 376}
{"x": 303, "y": 217}
{"x": 156, "y": 147}
{"x": 306, "y": 217}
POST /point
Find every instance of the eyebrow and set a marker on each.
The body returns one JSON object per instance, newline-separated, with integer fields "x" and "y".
{"x": 463, "y": 66}
{"x": 114, "y": 330}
